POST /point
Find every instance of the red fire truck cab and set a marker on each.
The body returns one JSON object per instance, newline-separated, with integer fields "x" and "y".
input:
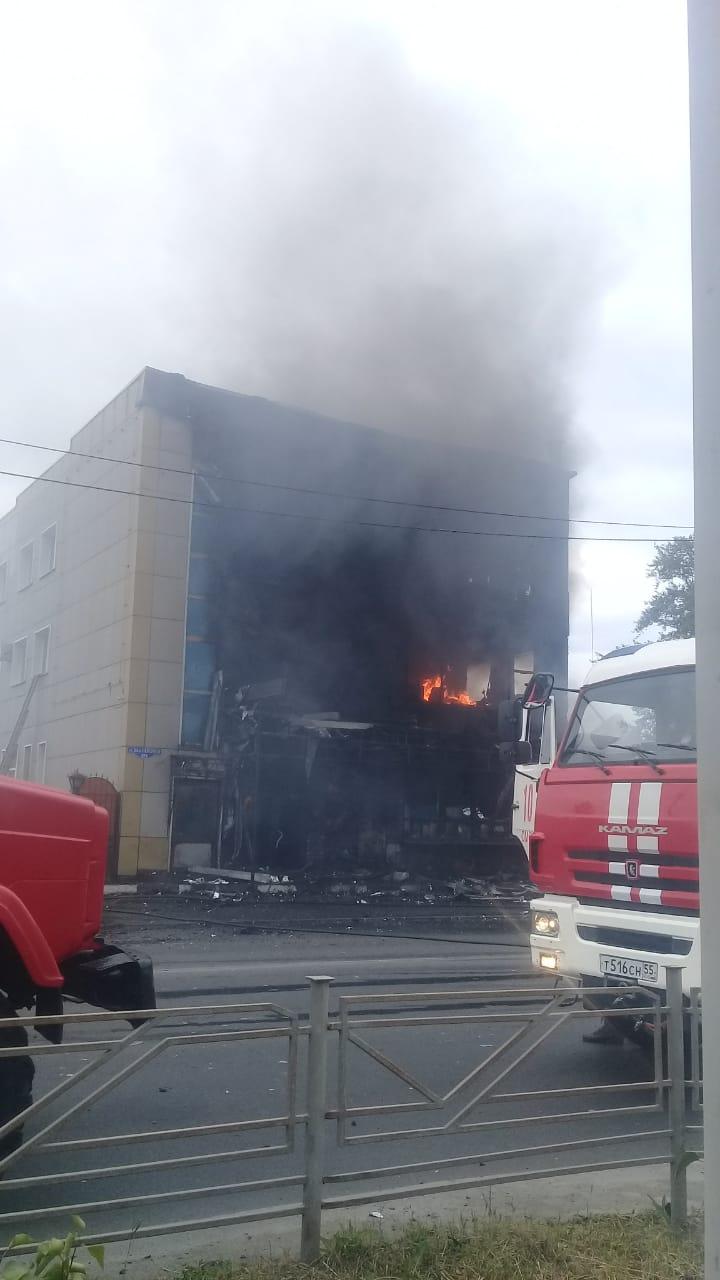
{"x": 614, "y": 851}
{"x": 52, "y": 876}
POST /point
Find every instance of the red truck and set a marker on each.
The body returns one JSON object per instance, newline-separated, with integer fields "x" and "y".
{"x": 52, "y": 878}
{"x": 614, "y": 850}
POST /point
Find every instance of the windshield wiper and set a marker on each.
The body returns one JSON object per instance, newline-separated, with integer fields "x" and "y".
{"x": 643, "y": 753}
{"x": 599, "y": 759}
{"x": 679, "y": 746}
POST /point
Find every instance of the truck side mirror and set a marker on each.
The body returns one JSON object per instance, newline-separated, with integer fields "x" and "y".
{"x": 523, "y": 753}
{"x": 510, "y": 720}
{"x": 538, "y": 690}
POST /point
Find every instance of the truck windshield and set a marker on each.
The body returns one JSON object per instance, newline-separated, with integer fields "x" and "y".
{"x": 649, "y": 717}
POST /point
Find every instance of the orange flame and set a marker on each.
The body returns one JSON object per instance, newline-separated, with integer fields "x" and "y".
{"x": 430, "y": 683}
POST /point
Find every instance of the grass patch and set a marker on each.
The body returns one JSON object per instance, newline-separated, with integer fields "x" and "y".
{"x": 609, "y": 1247}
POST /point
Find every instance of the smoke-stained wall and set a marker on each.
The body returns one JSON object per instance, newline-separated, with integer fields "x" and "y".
{"x": 357, "y": 563}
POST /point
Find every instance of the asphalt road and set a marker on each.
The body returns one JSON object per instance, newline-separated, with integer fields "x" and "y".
{"x": 201, "y": 958}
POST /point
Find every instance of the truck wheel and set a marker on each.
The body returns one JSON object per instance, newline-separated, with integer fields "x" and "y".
{"x": 16, "y": 1079}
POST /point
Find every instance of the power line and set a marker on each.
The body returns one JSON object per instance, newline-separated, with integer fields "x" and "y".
{"x": 350, "y": 497}
{"x": 319, "y": 519}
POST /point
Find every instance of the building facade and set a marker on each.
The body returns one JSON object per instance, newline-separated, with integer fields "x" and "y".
{"x": 93, "y": 584}
{"x": 108, "y": 606}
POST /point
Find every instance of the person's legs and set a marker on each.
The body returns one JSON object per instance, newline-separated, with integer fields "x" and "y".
{"x": 606, "y": 1033}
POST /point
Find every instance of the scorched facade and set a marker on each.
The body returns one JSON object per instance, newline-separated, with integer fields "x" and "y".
{"x": 285, "y": 641}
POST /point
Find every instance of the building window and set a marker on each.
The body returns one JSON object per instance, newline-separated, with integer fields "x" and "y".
{"x": 25, "y": 566}
{"x": 47, "y": 551}
{"x": 199, "y": 576}
{"x": 19, "y": 661}
{"x": 26, "y": 762}
{"x": 3, "y": 582}
{"x": 41, "y": 651}
{"x": 195, "y": 714}
{"x": 199, "y": 666}
{"x": 40, "y": 761}
{"x": 201, "y": 533}
{"x": 198, "y": 623}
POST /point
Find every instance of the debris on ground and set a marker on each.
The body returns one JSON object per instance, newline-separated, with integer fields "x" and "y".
{"x": 365, "y": 887}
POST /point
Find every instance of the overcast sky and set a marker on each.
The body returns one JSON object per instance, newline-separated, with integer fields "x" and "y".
{"x": 138, "y": 142}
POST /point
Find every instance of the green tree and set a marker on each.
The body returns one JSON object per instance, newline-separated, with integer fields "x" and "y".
{"x": 671, "y": 607}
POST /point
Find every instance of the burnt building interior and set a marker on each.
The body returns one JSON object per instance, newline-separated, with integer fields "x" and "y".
{"x": 360, "y": 616}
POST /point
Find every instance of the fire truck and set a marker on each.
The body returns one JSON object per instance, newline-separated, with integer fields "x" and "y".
{"x": 52, "y": 876}
{"x": 614, "y": 849}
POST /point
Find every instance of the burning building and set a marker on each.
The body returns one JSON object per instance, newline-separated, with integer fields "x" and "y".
{"x": 299, "y": 641}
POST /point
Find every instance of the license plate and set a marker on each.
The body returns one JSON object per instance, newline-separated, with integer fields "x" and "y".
{"x": 624, "y": 967}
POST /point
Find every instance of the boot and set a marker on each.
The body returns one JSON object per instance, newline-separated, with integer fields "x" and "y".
{"x": 606, "y": 1033}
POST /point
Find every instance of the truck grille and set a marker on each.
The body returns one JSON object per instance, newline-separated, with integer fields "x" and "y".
{"x": 635, "y": 940}
{"x": 647, "y": 881}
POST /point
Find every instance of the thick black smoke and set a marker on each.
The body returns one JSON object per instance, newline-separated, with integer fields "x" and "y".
{"x": 368, "y": 244}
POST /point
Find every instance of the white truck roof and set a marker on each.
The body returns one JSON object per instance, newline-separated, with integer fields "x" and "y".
{"x": 652, "y": 657}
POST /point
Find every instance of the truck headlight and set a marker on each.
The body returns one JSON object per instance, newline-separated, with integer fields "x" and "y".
{"x": 545, "y": 923}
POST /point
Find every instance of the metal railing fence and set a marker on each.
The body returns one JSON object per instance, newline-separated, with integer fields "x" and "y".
{"x": 308, "y": 1148}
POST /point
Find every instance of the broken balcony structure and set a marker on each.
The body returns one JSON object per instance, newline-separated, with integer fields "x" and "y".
{"x": 361, "y": 609}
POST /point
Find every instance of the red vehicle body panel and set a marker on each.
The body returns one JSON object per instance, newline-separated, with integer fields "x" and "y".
{"x": 627, "y": 836}
{"x": 52, "y": 874}
{"x": 24, "y": 933}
